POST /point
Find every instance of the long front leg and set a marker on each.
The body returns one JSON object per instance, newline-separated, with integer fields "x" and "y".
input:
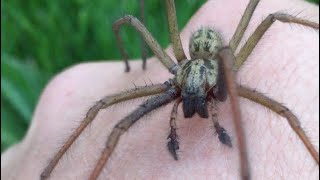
{"x": 228, "y": 58}
{"x": 148, "y": 38}
{"x": 93, "y": 111}
{"x": 253, "y": 40}
{"x": 127, "y": 122}
{"x": 283, "y": 111}
{"x": 174, "y": 31}
{"x": 143, "y": 44}
{"x": 243, "y": 24}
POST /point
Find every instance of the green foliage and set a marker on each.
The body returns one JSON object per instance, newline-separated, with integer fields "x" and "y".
{"x": 314, "y": 1}
{"x": 41, "y": 38}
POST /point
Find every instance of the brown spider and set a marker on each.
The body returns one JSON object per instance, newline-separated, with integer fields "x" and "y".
{"x": 204, "y": 79}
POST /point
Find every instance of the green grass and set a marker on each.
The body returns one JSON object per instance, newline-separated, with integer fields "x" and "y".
{"x": 41, "y": 38}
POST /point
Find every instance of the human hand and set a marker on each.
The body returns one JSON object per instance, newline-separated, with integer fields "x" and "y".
{"x": 284, "y": 65}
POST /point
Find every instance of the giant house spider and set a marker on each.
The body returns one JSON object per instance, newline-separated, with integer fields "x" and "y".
{"x": 199, "y": 82}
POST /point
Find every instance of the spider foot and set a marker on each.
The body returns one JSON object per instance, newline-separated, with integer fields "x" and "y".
{"x": 144, "y": 64}
{"x": 173, "y": 144}
{"x": 127, "y": 69}
{"x": 223, "y": 135}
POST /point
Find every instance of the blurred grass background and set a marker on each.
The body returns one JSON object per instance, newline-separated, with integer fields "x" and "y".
{"x": 41, "y": 38}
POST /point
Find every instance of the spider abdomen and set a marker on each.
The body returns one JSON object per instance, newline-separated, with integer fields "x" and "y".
{"x": 205, "y": 43}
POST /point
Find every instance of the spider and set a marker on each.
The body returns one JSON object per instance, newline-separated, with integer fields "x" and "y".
{"x": 199, "y": 83}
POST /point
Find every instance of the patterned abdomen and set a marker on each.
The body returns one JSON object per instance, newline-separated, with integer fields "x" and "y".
{"x": 205, "y": 44}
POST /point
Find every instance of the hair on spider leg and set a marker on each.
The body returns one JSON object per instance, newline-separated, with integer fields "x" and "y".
{"x": 135, "y": 86}
{"x": 144, "y": 81}
{"x": 72, "y": 155}
{"x": 298, "y": 14}
{"x": 150, "y": 81}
